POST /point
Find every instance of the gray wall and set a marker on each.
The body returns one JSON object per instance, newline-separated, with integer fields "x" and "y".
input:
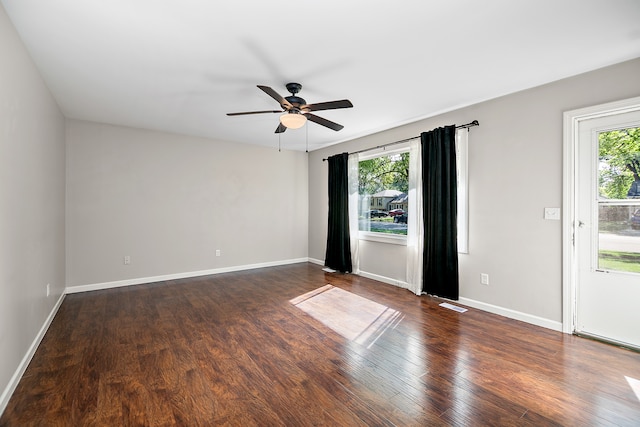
{"x": 515, "y": 171}
{"x": 32, "y": 192}
{"x": 170, "y": 201}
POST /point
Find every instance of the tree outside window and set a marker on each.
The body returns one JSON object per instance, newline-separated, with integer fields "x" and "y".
{"x": 619, "y": 153}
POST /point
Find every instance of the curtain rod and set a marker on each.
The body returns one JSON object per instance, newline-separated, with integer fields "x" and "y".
{"x": 465, "y": 126}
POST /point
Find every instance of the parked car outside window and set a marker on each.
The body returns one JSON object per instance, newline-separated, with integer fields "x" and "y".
{"x": 394, "y": 212}
{"x": 375, "y": 213}
{"x": 402, "y": 218}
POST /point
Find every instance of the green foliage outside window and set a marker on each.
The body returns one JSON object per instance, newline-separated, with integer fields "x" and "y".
{"x": 384, "y": 173}
{"x": 619, "y": 153}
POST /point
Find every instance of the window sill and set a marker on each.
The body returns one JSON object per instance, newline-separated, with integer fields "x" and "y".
{"x": 393, "y": 239}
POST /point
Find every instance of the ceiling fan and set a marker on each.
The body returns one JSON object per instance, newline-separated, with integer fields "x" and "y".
{"x": 297, "y": 111}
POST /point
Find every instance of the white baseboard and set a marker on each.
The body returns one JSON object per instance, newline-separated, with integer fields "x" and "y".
{"x": 22, "y": 367}
{"x": 513, "y": 314}
{"x": 506, "y": 312}
{"x": 185, "y": 275}
{"x": 384, "y": 279}
{"x": 316, "y": 261}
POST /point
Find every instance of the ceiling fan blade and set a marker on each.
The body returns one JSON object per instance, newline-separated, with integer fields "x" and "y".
{"x": 254, "y": 112}
{"x": 281, "y": 128}
{"x": 324, "y": 122}
{"x": 272, "y": 93}
{"x": 331, "y": 105}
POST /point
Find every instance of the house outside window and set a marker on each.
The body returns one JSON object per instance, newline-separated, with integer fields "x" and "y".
{"x": 383, "y": 199}
{"x": 401, "y": 202}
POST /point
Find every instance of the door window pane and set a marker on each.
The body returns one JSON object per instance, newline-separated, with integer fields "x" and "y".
{"x": 619, "y": 166}
{"x": 619, "y": 200}
{"x": 619, "y": 238}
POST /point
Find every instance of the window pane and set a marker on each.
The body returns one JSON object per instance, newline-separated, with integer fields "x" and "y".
{"x": 383, "y": 185}
{"x": 619, "y": 238}
{"x": 462, "y": 150}
{"x": 619, "y": 156}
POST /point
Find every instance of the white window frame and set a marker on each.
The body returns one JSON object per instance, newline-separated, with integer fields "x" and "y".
{"x": 462, "y": 164}
{"x": 372, "y": 236}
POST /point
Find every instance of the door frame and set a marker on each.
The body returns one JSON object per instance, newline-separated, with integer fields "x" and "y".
{"x": 571, "y": 121}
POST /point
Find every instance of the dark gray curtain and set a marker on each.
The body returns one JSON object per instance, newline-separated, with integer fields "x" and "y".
{"x": 439, "y": 186}
{"x": 338, "y": 255}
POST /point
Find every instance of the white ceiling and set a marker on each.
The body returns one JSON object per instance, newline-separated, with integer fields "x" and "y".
{"x": 180, "y": 65}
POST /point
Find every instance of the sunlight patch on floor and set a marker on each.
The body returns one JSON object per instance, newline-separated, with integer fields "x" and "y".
{"x": 635, "y": 386}
{"x": 354, "y": 317}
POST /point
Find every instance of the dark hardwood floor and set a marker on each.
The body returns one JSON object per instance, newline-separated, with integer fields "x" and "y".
{"x": 278, "y": 347}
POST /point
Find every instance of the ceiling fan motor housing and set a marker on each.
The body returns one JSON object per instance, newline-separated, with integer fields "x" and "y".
{"x": 294, "y": 88}
{"x": 296, "y": 101}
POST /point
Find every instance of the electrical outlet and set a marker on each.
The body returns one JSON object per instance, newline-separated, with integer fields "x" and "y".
{"x": 127, "y": 260}
{"x": 218, "y": 253}
{"x": 484, "y": 278}
{"x": 48, "y": 289}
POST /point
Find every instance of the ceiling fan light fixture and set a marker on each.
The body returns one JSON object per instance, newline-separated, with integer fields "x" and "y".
{"x": 293, "y": 120}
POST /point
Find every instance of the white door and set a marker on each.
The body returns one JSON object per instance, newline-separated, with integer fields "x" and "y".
{"x": 607, "y": 228}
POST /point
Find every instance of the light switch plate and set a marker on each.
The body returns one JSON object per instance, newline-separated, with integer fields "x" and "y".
{"x": 552, "y": 213}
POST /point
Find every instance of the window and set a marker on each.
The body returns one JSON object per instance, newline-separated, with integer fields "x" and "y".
{"x": 383, "y": 187}
{"x": 383, "y": 184}
{"x": 462, "y": 163}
